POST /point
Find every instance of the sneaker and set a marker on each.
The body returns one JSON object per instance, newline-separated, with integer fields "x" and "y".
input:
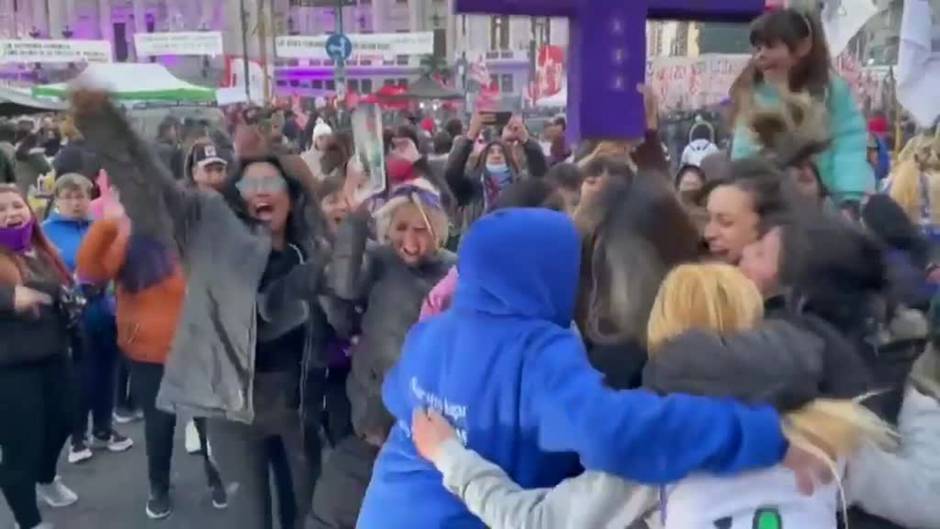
{"x": 159, "y": 506}
{"x": 78, "y": 452}
{"x": 193, "y": 444}
{"x": 219, "y": 496}
{"x": 43, "y": 525}
{"x": 125, "y": 416}
{"x": 113, "y": 443}
{"x": 56, "y": 494}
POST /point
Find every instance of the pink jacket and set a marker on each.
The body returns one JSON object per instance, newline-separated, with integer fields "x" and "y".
{"x": 439, "y": 298}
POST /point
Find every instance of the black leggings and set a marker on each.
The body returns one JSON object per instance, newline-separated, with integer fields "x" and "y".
{"x": 35, "y": 420}
{"x": 159, "y": 428}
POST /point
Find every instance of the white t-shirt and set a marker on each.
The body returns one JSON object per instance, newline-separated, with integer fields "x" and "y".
{"x": 765, "y": 499}
{"x": 695, "y": 152}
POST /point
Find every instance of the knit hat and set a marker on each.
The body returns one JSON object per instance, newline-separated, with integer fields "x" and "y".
{"x": 321, "y": 129}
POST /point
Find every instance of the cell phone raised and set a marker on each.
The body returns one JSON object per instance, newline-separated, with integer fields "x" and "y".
{"x": 496, "y": 119}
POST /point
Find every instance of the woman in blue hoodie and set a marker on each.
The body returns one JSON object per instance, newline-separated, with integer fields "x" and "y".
{"x": 506, "y": 368}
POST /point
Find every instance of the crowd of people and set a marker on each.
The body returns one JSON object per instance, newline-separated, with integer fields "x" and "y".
{"x": 513, "y": 333}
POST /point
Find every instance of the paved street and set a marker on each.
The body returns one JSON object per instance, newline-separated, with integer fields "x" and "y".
{"x": 113, "y": 489}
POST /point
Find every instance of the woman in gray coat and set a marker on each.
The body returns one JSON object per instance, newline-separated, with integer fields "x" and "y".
{"x": 247, "y": 352}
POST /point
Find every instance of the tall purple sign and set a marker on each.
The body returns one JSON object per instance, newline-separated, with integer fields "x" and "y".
{"x": 607, "y": 51}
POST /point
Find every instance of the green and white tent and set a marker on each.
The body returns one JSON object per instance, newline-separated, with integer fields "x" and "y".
{"x": 131, "y": 82}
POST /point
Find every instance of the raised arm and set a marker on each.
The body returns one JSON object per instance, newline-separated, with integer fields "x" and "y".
{"x": 349, "y": 273}
{"x": 103, "y": 251}
{"x": 461, "y": 185}
{"x": 156, "y": 204}
{"x": 639, "y": 435}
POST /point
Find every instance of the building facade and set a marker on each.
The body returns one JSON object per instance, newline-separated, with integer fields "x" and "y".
{"x": 506, "y": 45}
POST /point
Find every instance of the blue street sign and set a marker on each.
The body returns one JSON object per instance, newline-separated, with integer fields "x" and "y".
{"x": 338, "y": 47}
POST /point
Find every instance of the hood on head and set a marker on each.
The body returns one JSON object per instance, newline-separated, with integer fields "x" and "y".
{"x": 520, "y": 262}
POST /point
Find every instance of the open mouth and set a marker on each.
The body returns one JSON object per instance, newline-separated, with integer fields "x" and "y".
{"x": 263, "y": 211}
{"x": 16, "y": 223}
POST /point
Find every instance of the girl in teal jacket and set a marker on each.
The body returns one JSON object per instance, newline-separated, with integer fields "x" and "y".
{"x": 791, "y": 54}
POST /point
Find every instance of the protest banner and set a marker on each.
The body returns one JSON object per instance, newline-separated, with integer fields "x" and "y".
{"x": 54, "y": 51}
{"x": 693, "y": 82}
{"x": 179, "y": 43}
{"x": 363, "y": 44}
{"x": 369, "y": 149}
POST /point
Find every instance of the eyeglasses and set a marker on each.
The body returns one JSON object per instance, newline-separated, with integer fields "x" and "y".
{"x": 270, "y": 184}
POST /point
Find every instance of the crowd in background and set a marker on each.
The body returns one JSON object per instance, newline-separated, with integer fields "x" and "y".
{"x": 516, "y": 332}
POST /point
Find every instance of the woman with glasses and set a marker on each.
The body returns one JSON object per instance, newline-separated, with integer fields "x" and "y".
{"x": 247, "y": 352}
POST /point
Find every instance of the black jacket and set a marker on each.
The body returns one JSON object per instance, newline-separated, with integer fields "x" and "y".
{"x": 29, "y": 338}
{"x": 466, "y": 185}
{"x": 389, "y": 294}
{"x": 776, "y": 363}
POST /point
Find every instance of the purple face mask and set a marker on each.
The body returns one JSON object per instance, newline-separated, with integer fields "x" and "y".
{"x": 18, "y": 239}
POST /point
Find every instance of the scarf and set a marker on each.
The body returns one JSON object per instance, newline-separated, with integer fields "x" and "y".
{"x": 18, "y": 239}
{"x": 495, "y": 179}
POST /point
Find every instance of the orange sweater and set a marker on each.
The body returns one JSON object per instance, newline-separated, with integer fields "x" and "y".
{"x": 146, "y": 320}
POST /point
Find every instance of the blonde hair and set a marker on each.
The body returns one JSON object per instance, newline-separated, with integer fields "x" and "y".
{"x": 710, "y": 296}
{"x": 721, "y": 299}
{"x": 921, "y": 156}
{"x": 434, "y": 217}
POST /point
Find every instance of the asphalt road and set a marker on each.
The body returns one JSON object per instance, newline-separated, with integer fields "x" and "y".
{"x": 112, "y": 490}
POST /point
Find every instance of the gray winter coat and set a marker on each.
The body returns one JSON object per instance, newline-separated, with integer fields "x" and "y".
{"x": 210, "y": 370}
{"x": 391, "y": 293}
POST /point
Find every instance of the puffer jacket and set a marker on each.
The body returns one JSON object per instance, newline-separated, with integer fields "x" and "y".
{"x": 390, "y": 292}
{"x": 210, "y": 370}
{"x": 776, "y": 363}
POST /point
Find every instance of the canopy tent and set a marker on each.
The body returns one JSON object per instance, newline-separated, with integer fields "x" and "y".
{"x": 132, "y": 82}
{"x": 427, "y": 88}
{"x": 14, "y": 102}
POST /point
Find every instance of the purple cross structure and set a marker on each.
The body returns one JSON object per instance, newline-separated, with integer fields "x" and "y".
{"x": 607, "y": 52}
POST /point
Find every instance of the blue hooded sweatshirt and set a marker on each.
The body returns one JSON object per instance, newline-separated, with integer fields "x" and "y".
{"x": 66, "y": 235}
{"x": 505, "y": 367}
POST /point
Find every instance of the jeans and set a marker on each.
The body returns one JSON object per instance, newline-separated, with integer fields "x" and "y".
{"x": 247, "y": 453}
{"x": 96, "y": 354}
{"x": 35, "y": 420}
{"x": 342, "y": 485}
{"x": 159, "y": 428}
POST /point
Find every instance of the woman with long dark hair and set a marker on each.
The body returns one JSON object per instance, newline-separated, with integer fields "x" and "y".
{"x": 35, "y": 404}
{"x": 248, "y": 350}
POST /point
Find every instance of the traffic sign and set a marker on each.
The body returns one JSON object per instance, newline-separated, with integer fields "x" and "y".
{"x": 338, "y": 47}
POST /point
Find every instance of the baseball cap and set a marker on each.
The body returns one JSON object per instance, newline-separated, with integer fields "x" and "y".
{"x": 205, "y": 154}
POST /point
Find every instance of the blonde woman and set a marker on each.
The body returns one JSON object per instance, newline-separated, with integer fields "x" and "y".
{"x": 698, "y": 307}
{"x": 707, "y": 337}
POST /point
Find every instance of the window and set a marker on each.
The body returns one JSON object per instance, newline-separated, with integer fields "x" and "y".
{"x": 389, "y": 82}
{"x": 506, "y": 82}
{"x": 366, "y": 86}
{"x": 353, "y": 85}
{"x": 316, "y": 84}
{"x": 403, "y": 82}
{"x": 499, "y": 32}
{"x": 401, "y": 60}
{"x": 330, "y": 84}
{"x": 494, "y": 81}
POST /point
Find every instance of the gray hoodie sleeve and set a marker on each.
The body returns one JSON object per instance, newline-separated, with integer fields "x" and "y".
{"x": 902, "y": 486}
{"x": 593, "y": 499}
